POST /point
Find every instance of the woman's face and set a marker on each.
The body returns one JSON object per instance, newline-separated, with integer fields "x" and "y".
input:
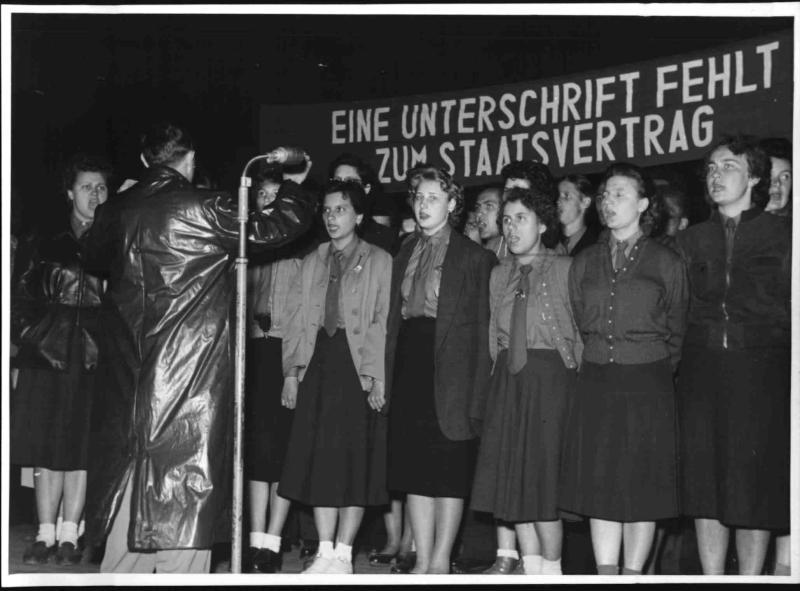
{"x": 621, "y": 204}
{"x": 431, "y": 206}
{"x": 339, "y": 217}
{"x": 88, "y": 191}
{"x": 267, "y": 193}
{"x": 571, "y": 204}
{"x": 345, "y": 172}
{"x": 522, "y": 229}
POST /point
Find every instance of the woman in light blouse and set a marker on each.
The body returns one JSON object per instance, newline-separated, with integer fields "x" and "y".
{"x": 333, "y": 358}
{"x": 437, "y": 354}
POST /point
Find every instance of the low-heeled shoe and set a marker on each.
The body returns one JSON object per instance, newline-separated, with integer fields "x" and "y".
{"x": 503, "y": 565}
{"x": 404, "y": 562}
{"x": 38, "y": 553}
{"x": 267, "y": 561}
{"x": 377, "y": 558}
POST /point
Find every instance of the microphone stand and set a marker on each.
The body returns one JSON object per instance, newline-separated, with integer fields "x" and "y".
{"x": 239, "y": 356}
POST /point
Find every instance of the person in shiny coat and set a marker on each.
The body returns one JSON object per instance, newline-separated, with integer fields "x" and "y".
{"x": 54, "y": 313}
{"x": 162, "y": 476}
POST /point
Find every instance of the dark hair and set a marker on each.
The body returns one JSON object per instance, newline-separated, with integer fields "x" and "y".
{"x": 582, "y": 183}
{"x": 166, "y": 143}
{"x": 777, "y": 147}
{"x": 82, "y": 162}
{"x": 427, "y": 172}
{"x": 536, "y": 173}
{"x": 540, "y": 203}
{"x": 758, "y": 163}
{"x": 652, "y": 216}
{"x": 268, "y": 172}
{"x": 364, "y": 170}
{"x": 350, "y": 190}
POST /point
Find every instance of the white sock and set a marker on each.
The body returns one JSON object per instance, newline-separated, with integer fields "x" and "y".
{"x": 59, "y": 521}
{"x": 508, "y": 553}
{"x": 326, "y": 549}
{"x": 47, "y": 533}
{"x": 271, "y": 542}
{"x": 532, "y": 564}
{"x": 81, "y": 527}
{"x": 256, "y": 539}
{"x": 344, "y": 552}
{"x": 69, "y": 533}
{"x": 551, "y": 567}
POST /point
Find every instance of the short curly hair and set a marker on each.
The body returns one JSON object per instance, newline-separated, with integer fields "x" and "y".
{"x": 540, "y": 203}
{"x": 166, "y": 143}
{"x": 82, "y": 162}
{"x": 651, "y": 217}
{"x": 452, "y": 189}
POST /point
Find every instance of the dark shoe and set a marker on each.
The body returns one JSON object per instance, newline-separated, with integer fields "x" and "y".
{"x": 404, "y": 562}
{"x": 68, "y": 554}
{"x": 469, "y": 566}
{"x": 503, "y": 565}
{"x": 309, "y": 549}
{"x": 378, "y": 558}
{"x": 38, "y": 553}
{"x": 267, "y": 561}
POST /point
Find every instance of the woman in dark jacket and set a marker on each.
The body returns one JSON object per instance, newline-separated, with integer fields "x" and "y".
{"x": 55, "y": 315}
{"x": 629, "y": 295}
{"x": 437, "y": 352}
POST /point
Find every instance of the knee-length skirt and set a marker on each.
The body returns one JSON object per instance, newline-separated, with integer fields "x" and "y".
{"x": 619, "y": 453}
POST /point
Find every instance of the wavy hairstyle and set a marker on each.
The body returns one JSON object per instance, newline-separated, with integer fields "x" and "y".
{"x": 166, "y": 143}
{"x": 540, "y": 203}
{"x": 758, "y": 163}
{"x": 454, "y": 191}
{"x": 82, "y": 162}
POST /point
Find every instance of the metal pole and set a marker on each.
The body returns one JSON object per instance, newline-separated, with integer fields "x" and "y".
{"x": 238, "y": 397}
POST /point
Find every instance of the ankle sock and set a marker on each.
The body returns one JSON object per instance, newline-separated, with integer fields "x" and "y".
{"x": 69, "y": 533}
{"x": 343, "y": 552}
{"x": 630, "y": 571}
{"x": 271, "y": 542}
{"x": 532, "y": 564}
{"x": 256, "y": 539}
{"x": 47, "y": 533}
{"x": 326, "y": 549}
{"x": 551, "y": 567}
{"x": 607, "y": 569}
{"x": 783, "y": 570}
{"x": 508, "y": 553}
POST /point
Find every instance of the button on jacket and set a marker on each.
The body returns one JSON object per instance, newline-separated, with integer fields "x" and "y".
{"x": 364, "y": 298}
{"x": 636, "y": 314}
{"x": 746, "y": 305}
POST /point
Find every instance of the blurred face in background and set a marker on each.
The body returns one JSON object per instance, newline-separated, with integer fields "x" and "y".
{"x": 88, "y": 191}
{"x": 571, "y": 203}
{"x": 345, "y": 172}
{"x": 780, "y": 187}
{"x": 487, "y": 207}
{"x": 471, "y": 227}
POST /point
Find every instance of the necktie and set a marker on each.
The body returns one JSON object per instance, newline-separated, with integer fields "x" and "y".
{"x": 332, "y": 295}
{"x": 730, "y": 230}
{"x": 620, "y": 258}
{"x": 518, "y": 339}
{"x": 416, "y": 299}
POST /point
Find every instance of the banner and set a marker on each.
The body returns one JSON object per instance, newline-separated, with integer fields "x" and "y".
{"x": 655, "y": 112}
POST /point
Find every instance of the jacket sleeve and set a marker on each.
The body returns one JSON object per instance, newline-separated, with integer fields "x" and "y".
{"x": 480, "y": 378}
{"x": 27, "y": 302}
{"x": 373, "y": 359}
{"x": 294, "y": 320}
{"x": 676, "y": 302}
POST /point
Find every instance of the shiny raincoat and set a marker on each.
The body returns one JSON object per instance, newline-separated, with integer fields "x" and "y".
{"x": 164, "y": 410}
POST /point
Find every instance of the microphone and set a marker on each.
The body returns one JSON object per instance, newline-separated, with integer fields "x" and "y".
{"x": 286, "y": 156}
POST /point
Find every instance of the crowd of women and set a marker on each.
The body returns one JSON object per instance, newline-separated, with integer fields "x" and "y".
{"x": 624, "y": 374}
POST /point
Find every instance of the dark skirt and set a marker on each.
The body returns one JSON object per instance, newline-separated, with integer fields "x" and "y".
{"x": 337, "y": 447}
{"x": 51, "y": 416}
{"x": 422, "y": 460}
{"x": 619, "y": 453}
{"x": 734, "y": 436}
{"x": 267, "y": 422}
{"x": 519, "y": 461}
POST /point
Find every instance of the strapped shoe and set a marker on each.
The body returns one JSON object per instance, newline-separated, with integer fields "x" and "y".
{"x": 68, "y": 554}
{"x": 503, "y": 565}
{"x": 38, "y": 553}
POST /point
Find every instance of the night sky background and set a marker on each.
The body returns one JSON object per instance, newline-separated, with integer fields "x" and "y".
{"x": 93, "y": 82}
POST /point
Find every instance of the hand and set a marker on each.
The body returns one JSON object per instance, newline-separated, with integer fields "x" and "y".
{"x": 289, "y": 392}
{"x": 366, "y": 383}
{"x": 377, "y": 397}
{"x": 299, "y": 177}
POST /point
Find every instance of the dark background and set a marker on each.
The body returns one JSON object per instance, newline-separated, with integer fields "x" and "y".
{"x": 92, "y": 82}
